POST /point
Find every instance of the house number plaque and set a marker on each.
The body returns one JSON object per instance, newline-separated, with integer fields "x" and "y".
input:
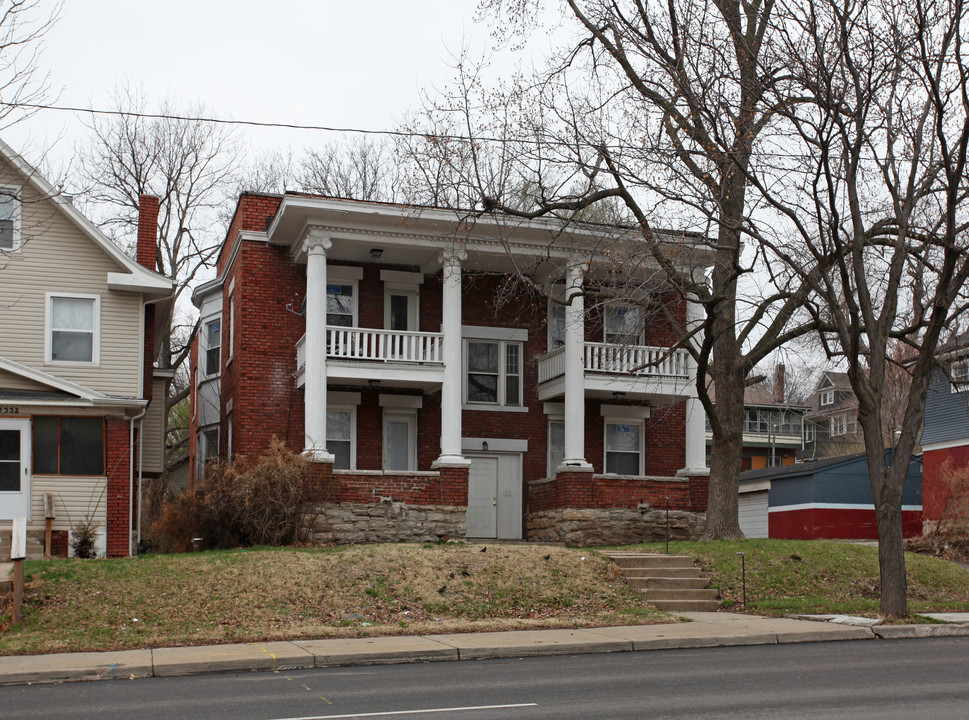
{"x": 7, "y": 410}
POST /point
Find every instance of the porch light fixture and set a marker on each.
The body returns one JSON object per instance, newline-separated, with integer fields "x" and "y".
{"x": 375, "y": 253}
{"x": 484, "y": 445}
{"x": 619, "y": 395}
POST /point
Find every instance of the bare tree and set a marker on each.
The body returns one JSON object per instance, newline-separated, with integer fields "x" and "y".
{"x": 882, "y": 134}
{"x": 189, "y": 166}
{"x": 667, "y": 108}
{"x": 23, "y": 86}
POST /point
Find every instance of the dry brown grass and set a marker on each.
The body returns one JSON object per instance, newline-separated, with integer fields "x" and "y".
{"x": 258, "y": 595}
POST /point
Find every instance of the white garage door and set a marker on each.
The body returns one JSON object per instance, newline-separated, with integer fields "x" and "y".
{"x": 753, "y": 514}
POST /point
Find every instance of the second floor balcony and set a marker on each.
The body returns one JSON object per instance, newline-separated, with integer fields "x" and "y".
{"x": 611, "y": 368}
{"x": 373, "y": 354}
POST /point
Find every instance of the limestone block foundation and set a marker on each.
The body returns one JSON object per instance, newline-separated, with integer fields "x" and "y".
{"x": 387, "y": 521}
{"x": 614, "y": 526}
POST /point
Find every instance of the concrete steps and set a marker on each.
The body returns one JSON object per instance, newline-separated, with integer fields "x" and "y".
{"x": 670, "y": 582}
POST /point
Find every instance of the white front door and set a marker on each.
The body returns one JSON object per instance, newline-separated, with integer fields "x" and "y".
{"x": 14, "y": 469}
{"x": 495, "y": 497}
{"x": 400, "y": 441}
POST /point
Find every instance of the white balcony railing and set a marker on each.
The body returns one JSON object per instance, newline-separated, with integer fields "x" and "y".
{"x": 636, "y": 360}
{"x": 343, "y": 343}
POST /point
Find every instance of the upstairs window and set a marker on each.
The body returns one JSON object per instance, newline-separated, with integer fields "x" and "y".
{"x": 556, "y": 325}
{"x": 827, "y": 398}
{"x": 73, "y": 323}
{"x": 624, "y": 326}
{"x": 959, "y": 375}
{"x": 213, "y": 347}
{"x": 839, "y": 425}
{"x": 9, "y": 220}
{"x": 339, "y": 305}
{"x": 494, "y": 372}
{"x": 809, "y": 432}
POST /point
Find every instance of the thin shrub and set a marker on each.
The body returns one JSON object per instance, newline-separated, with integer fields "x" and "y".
{"x": 241, "y": 503}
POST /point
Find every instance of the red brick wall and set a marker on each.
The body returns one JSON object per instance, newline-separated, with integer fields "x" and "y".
{"x": 253, "y": 213}
{"x": 587, "y": 490}
{"x": 447, "y": 486}
{"x": 935, "y": 494}
{"x": 118, "y": 494}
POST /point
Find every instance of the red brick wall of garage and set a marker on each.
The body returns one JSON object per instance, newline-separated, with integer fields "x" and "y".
{"x": 935, "y": 492}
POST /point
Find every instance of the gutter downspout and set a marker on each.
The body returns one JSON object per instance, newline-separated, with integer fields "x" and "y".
{"x": 131, "y": 471}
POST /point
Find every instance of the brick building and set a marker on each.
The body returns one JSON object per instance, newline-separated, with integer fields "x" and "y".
{"x": 393, "y": 347}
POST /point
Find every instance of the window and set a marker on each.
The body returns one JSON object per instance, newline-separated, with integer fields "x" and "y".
{"x": 556, "y": 445}
{"x": 827, "y": 398}
{"x": 9, "y": 220}
{"x": 207, "y": 449}
{"x": 73, "y": 321}
{"x": 494, "y": 374}
{"x": 339, "y": 305}
{"x": 228, "y": 436}
{"x": 839, "y": 425}
{"x": 213, "y": 345}
{"x": 232, "y": 324}
{"x": 624, "y": 448}
{"x": 68, "y": 445}
{"x": 809, "y": 432}
{"x": 556, "y": 325}
{"x": 339, "y": 438}
{"x": 959, "y": 375}
{"x": 623, "y": 326}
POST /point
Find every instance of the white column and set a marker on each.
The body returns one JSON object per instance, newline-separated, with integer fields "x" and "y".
{"x": 574, "y": 370}
{"x": 451, "y": 389}
{"x": 315, "y": 244}
{"x": 696, "y": 418}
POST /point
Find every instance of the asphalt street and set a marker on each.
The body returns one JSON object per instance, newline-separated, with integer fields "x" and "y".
{"x": 885, "y": 680}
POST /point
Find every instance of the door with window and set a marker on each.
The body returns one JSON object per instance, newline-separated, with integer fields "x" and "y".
{"x": 400, "y": 314}
{"x": 14, "y": 469}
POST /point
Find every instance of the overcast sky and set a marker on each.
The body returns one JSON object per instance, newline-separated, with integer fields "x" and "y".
{"x": 321, "y": 62}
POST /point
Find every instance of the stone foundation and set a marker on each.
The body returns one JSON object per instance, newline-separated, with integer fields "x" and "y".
{"x": 616, "y": 526}
{"x": 387, "y": 521}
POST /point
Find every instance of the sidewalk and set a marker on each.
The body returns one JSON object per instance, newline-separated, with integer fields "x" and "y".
{"x": 705, "y": 630}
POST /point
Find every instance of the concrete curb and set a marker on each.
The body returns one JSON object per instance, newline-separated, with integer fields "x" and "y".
{"x": 704, "y": 630}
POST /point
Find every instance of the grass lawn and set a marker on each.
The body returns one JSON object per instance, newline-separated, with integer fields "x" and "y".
{"x": 270, "y": 594}
{"x": 820, "y": 576}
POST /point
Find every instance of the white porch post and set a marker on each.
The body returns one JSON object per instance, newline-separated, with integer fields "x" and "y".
{"x": 696, "y": 418}
{"x": 451, "y": 389}
{"x": 574, "y": 371}
{"x": 315, "y": 244}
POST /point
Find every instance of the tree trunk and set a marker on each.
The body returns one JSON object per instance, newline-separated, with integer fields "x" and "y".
{"x": 722, "y": 517}
{"x": 891, "y": 553}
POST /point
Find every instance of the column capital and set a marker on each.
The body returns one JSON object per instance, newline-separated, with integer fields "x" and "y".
{"x": 316, "y": 240}
{"x": 452, "y": 258}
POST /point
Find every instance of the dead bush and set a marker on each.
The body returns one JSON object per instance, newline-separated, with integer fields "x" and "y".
{"x": 241, "y": 503}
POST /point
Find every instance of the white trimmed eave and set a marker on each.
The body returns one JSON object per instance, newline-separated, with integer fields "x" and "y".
{"x": 402, "y": 230}
{"x": 43, "y": 378}
{"x": 136, "y": 278}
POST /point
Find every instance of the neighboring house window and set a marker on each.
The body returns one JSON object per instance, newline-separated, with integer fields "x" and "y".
{"x": 73, "y": 321}
{"x": 556, "y": 445}
{"x": 623, "y": 326}
{"x": 494, "y": 372}
{"x": 339, "y": 437}
{"x": 228, "y": 436}
{"x": 232, "y": 324}
{"x": 827, "y": 398}
{"x": 624, "y": 448}
{"x": 809, "y": 432}
{"x": 839, "y": 425}
{"x": 9, "y": 220}
{"x": 68, "y": 445}
{"x": 556, "y": 325}
{"x": 208, "y": 449}
{"x": 213, "y": 344}
{"x": 959, "y": 375}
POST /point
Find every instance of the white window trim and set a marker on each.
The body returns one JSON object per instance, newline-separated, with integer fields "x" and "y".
{"x": 352, "y": 409}
{"x": 14, "y": 191}
{"x": 204, "y": 347}
{"x": 410, "y": 417}
{"x": 502, "y": 365}
{"x": 826, "y": 398}
{"x": 95, "y": 360}
{"x": 228, "y": 435}
{"x": 962, "y": 385}
{"x": 642, "y": 440}
{"x": 809, "y": 432}
{"x": 838, "y": 425}
{"x": 355, "y": 305}
{"x": 232, "y": 321}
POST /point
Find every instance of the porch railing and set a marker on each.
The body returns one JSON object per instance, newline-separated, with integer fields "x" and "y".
{"x": 345, "y": 343}
{"x": 636, "y": 360}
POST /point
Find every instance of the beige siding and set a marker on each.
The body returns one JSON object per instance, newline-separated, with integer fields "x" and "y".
{"x": 18, "y": 382}
{"x": 55, "y": 256}
{"x": 153, "y": 447}
{"x": 74, "y": 499}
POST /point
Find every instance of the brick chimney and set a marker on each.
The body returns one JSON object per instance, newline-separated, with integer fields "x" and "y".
{"x": 147, "y": 252}
{"x": 779, "y": 383}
